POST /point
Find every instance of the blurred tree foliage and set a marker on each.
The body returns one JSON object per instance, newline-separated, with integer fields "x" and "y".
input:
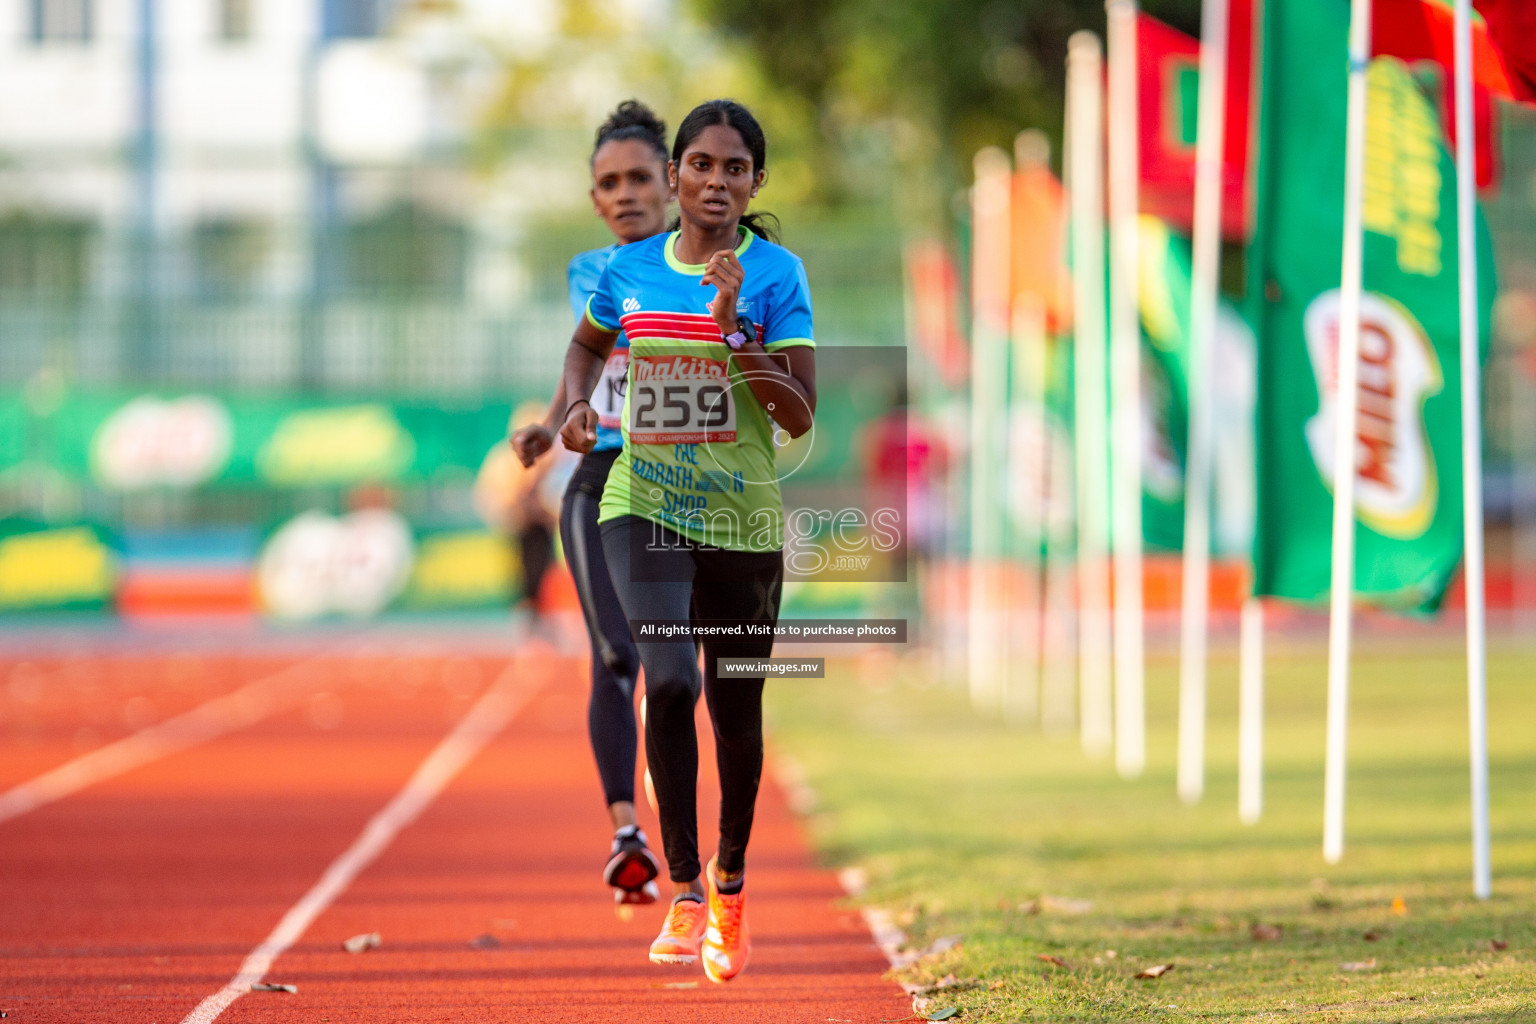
{"x": 931, "y": 80}
{"x": 551, "y": 93}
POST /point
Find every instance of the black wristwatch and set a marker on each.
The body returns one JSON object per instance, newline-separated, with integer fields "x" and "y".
{"x": 745, "y": 331}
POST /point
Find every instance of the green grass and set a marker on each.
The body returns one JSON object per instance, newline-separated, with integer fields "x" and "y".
{"x": 962, "y": 823}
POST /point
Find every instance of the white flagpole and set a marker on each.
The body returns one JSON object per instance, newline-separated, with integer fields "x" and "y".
{"x": 1472, "y": 451}
{"x": 1021, "y": 699}
{"x": 991, "y": 234}
{"x": 1058, "y": 673}
{"x": 1125, "y": 391}
{"x": 1346, "y": 429}
{"x": 1085, "y": 184}
{"x": 1250, "y": 713}
{"x": 1031, "y": 373}
{"x": 1195, "y": 618}
{"x": 1058, "y": 661}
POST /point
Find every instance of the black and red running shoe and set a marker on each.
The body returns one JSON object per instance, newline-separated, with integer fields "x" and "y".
{"x": 632, "y": 867}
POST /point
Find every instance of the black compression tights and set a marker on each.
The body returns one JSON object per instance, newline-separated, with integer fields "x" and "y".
{"x": 615, "y": 662}
{"x": 668, "y": 581}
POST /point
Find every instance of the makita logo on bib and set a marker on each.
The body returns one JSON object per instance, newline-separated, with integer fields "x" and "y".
{"x": 1396, "y": 489}
{"x": 678, "y": 368}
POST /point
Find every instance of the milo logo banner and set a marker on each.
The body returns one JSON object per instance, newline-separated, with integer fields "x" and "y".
{"x": 1397, "y": 490}
{"x": 149, "y": 442}
{"x": 1408, "y": 451}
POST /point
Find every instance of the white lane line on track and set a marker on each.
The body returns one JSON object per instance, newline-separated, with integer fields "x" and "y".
{"x": 490, "y": 715}
{"x": 235, "y": 710}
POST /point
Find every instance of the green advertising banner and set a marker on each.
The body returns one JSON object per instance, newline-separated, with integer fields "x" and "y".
{"x": 182, "y": 440}
{"x": 363, "y": 563}
{"x": 1409, "y": 462}
{"x": 463, "y": 569}
{"x": 187, "y": 440}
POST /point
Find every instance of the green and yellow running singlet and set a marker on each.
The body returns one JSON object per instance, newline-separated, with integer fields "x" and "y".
{"x": 698, "y": 446}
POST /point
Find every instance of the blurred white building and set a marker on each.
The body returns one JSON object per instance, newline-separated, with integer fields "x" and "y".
{"x": 275, "y": 169}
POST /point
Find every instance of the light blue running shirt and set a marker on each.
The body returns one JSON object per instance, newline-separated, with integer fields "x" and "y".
{"x": 608, "y": 397}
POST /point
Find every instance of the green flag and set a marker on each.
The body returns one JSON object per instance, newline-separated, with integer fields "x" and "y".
{"x": 1164, "y": 275}
{"x": 1163, "y": 299}
{"x": 1409, "y": 463}
{"x": 1163, "y": 279}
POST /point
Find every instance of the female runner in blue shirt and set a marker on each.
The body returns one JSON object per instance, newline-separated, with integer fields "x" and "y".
{"x": 721, "y": 357}
{"x": 630, "y": 193}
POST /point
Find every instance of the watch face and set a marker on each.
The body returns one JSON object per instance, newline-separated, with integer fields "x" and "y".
{"x": 747, "y": 328}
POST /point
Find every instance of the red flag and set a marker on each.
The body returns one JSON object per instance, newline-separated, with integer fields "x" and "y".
{"x": 1425, "y": 30}
{"x": 933, "y": 292}
{"x": 1419, "y": 30}
{"x": 1168, "y": 63}
{"x": 1486, "y": 132}
{"x": 1511, "y": 25}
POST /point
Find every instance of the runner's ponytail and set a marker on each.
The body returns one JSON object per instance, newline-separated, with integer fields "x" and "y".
{"x": 762, "y": 224}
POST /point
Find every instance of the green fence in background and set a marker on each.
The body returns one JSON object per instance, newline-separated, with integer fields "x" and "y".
{"x": 388, "y": 308}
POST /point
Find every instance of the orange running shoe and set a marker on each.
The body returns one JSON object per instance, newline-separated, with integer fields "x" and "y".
{"x": 678, "y": 942}
{"x": 727, "y": 943}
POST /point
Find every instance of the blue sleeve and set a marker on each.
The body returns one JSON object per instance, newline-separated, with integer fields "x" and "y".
{"x": 599, "y": 309}
{"x": 580, "y": 278}
{"x": 789, "y": 316}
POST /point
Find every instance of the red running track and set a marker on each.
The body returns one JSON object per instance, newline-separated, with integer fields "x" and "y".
{"x": 136, "y": 898}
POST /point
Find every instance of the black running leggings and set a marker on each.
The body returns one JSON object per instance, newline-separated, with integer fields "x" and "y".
{"x": 615, "y": 662}
{"x": 679, "y": 579}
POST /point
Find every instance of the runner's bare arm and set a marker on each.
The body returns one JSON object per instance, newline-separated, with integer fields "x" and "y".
{"x": 584, "y": 359}
{"x": 789, "y": 396}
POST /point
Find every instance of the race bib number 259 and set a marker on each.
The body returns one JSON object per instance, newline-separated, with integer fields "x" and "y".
{"x": 680, "y": 400}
